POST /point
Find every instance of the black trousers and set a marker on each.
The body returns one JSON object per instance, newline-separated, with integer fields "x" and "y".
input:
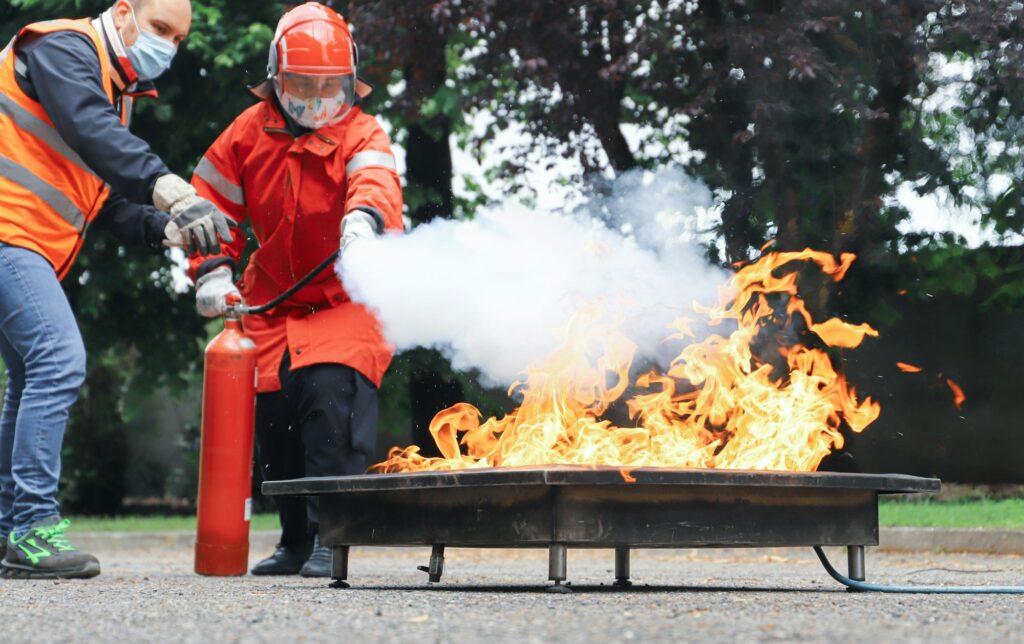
{"x": 322, "y": 422}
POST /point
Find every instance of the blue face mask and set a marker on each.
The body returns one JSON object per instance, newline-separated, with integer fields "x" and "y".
{"x": 150, "y": 55}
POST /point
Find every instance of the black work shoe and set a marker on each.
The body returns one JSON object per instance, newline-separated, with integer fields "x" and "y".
{"x": 319, "y": 562}
{"x": 44, "y": 553}
{"x": 286, "y": 560}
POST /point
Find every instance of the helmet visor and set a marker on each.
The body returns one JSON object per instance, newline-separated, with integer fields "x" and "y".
{"x": 304, "y": 86}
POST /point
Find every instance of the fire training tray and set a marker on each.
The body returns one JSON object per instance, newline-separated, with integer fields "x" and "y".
{"x": 560, "y": 507}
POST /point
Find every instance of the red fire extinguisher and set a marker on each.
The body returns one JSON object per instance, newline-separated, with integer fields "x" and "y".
{"x": 224, "y": 506}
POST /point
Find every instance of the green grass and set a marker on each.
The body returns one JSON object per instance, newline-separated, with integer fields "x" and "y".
{"x": 1005, "y": 513}
{"x": 157, "y": 524}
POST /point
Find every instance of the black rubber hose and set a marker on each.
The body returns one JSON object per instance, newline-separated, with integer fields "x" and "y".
{"x": 292, "y": 290}
{"x": 948, "y": 590}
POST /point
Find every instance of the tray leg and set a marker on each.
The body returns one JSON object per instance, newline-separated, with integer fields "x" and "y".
{"x": 622, "y": 568}
{"x": 855, "y": 563}
{"x": 557, "y": 556}
{"x": 339, "y": 566}
{"x": 436, "y": 567}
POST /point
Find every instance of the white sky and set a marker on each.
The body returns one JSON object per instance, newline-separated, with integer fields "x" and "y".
{"x": 936, "y": 212}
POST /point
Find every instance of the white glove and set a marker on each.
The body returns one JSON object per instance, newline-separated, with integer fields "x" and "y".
{"x": 357, "y": 225}
{"x": 195, "y": 222}
{"x": 211, "y": 291}
{"x": 172, "y": 194}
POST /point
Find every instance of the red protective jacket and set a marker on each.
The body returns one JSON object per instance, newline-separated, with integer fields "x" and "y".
{"x": 295, "y": 192}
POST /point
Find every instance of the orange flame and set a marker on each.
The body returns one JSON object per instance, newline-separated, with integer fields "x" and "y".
{"x": 908, "y": 368}
{"x": 837, "y": 333}
{"x": 958, "y": 393}
{"x": 718, "y": 405}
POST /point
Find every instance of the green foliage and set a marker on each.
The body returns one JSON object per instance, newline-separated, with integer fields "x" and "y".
{"x": 943, "y": 264}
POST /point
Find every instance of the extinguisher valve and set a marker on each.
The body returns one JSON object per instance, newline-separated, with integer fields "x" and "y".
{"x": 235, "y": 309}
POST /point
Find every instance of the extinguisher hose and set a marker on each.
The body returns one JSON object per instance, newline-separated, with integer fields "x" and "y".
{"x": 293, "y": 289}
{"x": 853, "y": 584}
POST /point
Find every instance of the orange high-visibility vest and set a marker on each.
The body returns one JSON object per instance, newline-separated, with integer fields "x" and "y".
{"x": 48, "y": 195}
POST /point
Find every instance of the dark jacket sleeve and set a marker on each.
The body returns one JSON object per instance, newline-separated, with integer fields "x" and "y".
{"x": 64, "y": 76}
{"x": 132, "y": 223}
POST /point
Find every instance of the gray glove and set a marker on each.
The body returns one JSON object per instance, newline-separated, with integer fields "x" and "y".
{"x": 198, "y": 227}
{"x": 195, "y": 222}
{"x": 211, "y": 291}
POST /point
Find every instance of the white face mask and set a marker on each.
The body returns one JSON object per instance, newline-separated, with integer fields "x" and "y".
{"x": 314, "y": 113}
{"x": 151, "y": 55}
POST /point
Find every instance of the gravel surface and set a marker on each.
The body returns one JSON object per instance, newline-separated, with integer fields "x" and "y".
{"x": 730, "y": 595}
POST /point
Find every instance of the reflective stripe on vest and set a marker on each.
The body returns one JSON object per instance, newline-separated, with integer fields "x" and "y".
{"x": 51, "y": 196}
{"x": 370, "y": 158}
{"x": 30, "y": 123}
{"x": 211, "y": 175}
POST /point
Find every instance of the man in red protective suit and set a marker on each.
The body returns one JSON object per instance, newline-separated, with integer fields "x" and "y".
{"x": 303, "y": 165}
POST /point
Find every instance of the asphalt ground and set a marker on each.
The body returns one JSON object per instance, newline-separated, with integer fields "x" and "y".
{"x": 492, "y": 595}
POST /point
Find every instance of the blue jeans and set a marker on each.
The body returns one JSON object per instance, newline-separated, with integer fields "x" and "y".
{"x": 42, "y": 349}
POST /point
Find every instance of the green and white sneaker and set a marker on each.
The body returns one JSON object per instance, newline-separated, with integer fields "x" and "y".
{"x": 44, "y": 553}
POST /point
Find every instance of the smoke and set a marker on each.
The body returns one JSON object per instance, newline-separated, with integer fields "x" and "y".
{"x": 492, "y": 292}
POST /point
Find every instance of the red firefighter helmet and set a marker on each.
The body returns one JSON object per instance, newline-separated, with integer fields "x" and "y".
{"x": 312, "y": 40}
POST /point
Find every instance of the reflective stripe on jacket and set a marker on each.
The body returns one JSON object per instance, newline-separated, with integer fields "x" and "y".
{"x": 295, "y": 191}
{"x": 48, "y": 195}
